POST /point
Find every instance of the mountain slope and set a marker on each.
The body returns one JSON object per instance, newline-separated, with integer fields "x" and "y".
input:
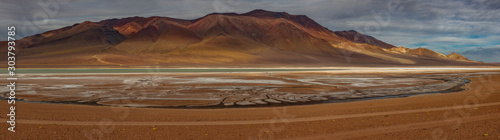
{"x": 258, "y": 38}
{"x": 458, "y": 57}
{"x": 361, "y": 38}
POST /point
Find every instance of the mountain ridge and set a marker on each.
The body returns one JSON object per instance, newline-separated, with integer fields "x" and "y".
{"x": 253, "y": 39}
{"x": 357, "y": 37}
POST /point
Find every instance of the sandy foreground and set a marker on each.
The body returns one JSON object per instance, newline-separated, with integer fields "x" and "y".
{"x": 470, "y": 114}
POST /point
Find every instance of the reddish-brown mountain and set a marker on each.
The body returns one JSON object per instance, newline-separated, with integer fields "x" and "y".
{"x": 255, "y": 39}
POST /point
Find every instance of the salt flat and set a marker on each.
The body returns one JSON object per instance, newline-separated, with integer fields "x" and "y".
{"x": 238, "y": 87}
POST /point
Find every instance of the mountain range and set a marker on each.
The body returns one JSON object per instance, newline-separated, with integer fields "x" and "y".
{"x": 258, "y": 38}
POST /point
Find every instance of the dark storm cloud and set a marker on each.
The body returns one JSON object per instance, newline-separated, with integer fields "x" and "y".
{"x": 444, "y": 25}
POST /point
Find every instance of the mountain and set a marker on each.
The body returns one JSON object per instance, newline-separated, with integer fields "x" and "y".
{"x": 458, "y": 57}
{"x": 356, "y": 37}
{"x": 258, "y": 38}
{"x": 423, "y": 52}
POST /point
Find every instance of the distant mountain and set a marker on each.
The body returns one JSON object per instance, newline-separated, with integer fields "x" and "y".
{"x": 258, "y": 38}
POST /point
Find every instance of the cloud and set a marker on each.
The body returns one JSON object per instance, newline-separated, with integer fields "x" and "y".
{"x": 444, "y": 25}
{"x": 484, "y": 54}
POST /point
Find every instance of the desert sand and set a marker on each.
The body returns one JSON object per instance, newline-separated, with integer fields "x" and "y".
{"x": 470, "y": 114}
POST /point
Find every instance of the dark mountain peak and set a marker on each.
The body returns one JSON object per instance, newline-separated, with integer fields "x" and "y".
{"x": 299, "y": 19}
{"x": 86, "y": 23}
{"x": 225, "y": 14}
{"x": 264, "y": 13}
{"x": 259, "y": 13}
{"x": 122, "y": 21}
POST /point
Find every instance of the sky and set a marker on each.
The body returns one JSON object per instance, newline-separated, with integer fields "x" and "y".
{"x": 468, "y": 27}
